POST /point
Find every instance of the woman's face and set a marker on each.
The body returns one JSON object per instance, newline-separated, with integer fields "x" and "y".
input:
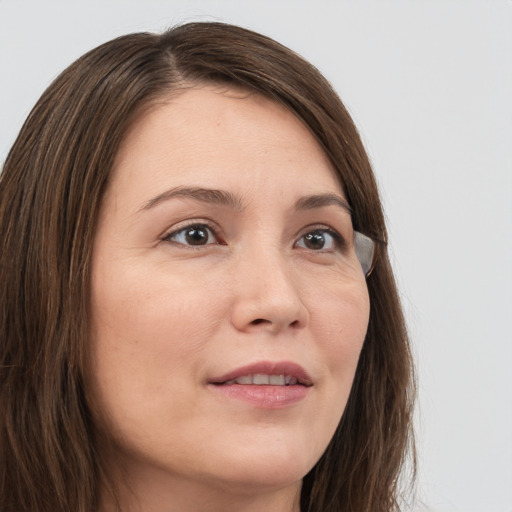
{"x": 228, "y": 305}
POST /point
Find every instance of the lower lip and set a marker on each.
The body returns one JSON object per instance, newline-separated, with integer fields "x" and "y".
{"x": 265, "y": 397}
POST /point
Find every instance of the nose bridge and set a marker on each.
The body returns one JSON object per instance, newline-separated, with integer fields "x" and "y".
{"x": 273, "y": 272}
{"x": 267, "y": 294}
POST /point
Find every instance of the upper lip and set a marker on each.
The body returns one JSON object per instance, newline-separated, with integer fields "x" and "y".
{"x": 267, "y": 368}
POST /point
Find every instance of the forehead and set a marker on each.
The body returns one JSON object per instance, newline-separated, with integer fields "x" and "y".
{"x": 225, "y": 136}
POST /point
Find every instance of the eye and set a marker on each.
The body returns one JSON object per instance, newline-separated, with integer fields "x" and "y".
{"x": 193, "y": 235}
{"x": 320, "y": 240}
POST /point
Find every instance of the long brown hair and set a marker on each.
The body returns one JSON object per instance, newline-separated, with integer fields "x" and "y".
{"x": 50, "y": 192}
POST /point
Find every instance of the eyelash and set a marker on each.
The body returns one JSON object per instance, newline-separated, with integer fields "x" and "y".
{"x": 338, "y": 240}
{"x": 190, "y": 227}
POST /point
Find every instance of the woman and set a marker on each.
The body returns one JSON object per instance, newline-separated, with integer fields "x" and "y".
{"x": 194, "y": 316}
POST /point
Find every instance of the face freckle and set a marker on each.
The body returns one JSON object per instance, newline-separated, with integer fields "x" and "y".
{"x": 170, "y": 318}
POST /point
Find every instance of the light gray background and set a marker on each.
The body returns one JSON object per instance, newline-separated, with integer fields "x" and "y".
{"x": 429, "y": 83}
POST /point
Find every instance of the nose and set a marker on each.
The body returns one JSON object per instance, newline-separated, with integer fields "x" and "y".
{"x": 268, "y": 296}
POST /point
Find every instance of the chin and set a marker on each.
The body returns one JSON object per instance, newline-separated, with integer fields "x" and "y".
{"x": 275, "y": 463}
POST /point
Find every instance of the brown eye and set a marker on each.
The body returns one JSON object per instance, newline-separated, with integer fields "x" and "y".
{"x": 320, "y": 239}
{"x": 314, "y": 241}
{"x": 197, "y": 236}
{"x": 194, "y": 235}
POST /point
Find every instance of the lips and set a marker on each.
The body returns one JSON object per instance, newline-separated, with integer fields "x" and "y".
{"x": 265, "y": 385}
{"x": 266, "y": 373}
{"x": 261, "y": 379}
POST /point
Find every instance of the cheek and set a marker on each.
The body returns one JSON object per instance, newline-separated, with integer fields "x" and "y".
{"x": 152, "y": 308}
{"x": 149, "y": 336}
{"x": 340, "y": 318}
{"x": 342, "y": 306}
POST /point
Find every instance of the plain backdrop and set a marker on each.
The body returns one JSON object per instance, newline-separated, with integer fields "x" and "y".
{"x": 429, "y": 84}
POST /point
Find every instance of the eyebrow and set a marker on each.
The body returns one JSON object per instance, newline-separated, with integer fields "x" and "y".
{"x": 205, "y": 195}
{"x": 224, "y": 198}
{"x": 322, "y": 200}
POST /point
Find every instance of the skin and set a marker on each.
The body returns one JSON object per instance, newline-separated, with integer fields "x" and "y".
{"x": 167, "y": 317}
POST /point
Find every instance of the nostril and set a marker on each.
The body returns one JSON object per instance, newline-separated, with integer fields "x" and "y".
{"x": 259, "y": 321}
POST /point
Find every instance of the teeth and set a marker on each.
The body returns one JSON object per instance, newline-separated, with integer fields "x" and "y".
{"x": 261, "y": 379}
{"x": 246, "y": 379}
{"x": 290, "y": 381}
{"x": 277, "y": 380}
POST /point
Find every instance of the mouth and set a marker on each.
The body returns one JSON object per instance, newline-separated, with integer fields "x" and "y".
{"x": 266, "y": 373}
{"x": 262, "y": 379}
{"x": 265, "y": 385}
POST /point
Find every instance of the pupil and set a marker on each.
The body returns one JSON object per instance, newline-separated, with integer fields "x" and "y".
{"x": 196, "y": 236}
{"x": 314, "y": 240}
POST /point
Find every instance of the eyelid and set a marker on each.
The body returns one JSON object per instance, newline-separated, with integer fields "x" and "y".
{"x": 338, "y": 237}
{"x": 215, "y": 230}
{"x": 180, "y": 226}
